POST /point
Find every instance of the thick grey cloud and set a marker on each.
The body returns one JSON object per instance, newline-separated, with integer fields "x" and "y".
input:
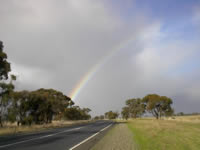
{"x": 53, "y": 44}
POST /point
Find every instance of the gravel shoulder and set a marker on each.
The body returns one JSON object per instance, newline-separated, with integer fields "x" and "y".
{"x": 118, "y": 138}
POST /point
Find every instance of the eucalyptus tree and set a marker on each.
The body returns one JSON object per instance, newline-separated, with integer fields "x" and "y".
{"x": 135, "y": 107}
{"x": 6, "y": 87}
{"x": 158, "y": 105}
{"x": 125, "y": 113}
{"x": 111, "y": 115}
{"x": 77, "y": 113}
{"x": 48, "y": 103}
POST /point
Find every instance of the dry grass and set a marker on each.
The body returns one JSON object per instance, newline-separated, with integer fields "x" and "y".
{"x": 118, "y": 138}
{"x": 177, "y": 133}
{"x": 13, "y": 128}
{"x": 187, "y": 118}
{"x": 181, "y": 133}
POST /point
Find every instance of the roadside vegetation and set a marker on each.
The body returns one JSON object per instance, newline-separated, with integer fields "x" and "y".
{"x": 27, "y": 108}
{"x": 164, "y": 130}
{"x": 111, "y": 115}
{"x": 118, "y": 138}
{"x": 176, "y": 134}
{"x": 153, "y": 104}
{"x": 12, "y": 129}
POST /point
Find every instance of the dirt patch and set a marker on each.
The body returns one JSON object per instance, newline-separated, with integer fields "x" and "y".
{"x": 118, "y": 138}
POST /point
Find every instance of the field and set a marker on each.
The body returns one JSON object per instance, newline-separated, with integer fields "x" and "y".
{"x": 179, "y": 133}
{"x": 13, "y": 128}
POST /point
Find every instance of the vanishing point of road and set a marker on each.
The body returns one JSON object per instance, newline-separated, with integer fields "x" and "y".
{"x": 65, "y": 138}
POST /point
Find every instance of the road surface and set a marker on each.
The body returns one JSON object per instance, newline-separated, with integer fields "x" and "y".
{"x": 55, "y": 139}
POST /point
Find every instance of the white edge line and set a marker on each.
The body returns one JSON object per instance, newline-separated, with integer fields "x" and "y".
{"x": 105, "y": 128}
{"x": 89, "y": 137}
{"x": 42, "y": 137}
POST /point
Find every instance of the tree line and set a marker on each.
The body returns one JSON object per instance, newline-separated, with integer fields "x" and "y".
{"x": 33, "y": 107}
{"x": 153, "y": 104}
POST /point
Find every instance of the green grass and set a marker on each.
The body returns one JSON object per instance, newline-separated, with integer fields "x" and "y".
{"x": 150, "y": 134}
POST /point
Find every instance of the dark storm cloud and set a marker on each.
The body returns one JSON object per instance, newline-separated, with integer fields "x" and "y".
{"x": 52, "y": 44}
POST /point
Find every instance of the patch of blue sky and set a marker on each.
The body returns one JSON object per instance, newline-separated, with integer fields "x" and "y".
{"x": 176, "y": 24}
{"x": 169, "y": 8}
{"x": 183, "y": 30}
{"x": 171, "y": 11}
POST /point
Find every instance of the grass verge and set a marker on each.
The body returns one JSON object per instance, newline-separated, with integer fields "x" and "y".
{"x": 150, "y": 134}
{"x": 117, "y": 138}
{"x": 14, "y": 129}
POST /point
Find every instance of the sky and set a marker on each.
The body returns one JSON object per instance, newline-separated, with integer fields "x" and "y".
{"x": 101, "y": 53}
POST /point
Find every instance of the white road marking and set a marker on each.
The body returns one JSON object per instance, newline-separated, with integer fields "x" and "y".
{"x": 42, "y": 137}
{"x": 89, "y": 138}
{"x": 105, "y": 128}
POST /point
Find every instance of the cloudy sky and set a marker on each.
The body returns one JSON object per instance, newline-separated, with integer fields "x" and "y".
{"x": 120, "y": 49}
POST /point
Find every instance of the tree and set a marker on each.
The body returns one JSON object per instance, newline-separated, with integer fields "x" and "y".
{"x": 157, "y": 105}
{"x": 85, "y": 113}
{"x": 76, "y": 113}
{"x": 72, "y": 113}
{"x": 48, "y": 103}
{"x": 135, "y": 107}
{"x": 5, "y": 88}
{"x": 96, "y": 118}
{"x": 111, "y": 115}
{"x": 21, "y": 107}
{"x": 101, "y": 117}
{"x": 5, "y": 99}
{"x": 125, "y": 113}
{"x": 180, "y": 114}
{"x": 38, "y": 106}
{"x": 4, "y": 65}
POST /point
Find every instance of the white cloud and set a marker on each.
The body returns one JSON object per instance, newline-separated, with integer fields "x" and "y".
{"x": 52, "y": 44}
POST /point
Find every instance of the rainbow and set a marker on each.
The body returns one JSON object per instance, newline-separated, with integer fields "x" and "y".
{"x": 83, "y": 82}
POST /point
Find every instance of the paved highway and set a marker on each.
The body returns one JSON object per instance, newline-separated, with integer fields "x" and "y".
{"x": 55, "y": 139}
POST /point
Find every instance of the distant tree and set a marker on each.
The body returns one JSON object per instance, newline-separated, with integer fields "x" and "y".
{"x": 180, "y": 114}
{"x": 85, "y": 114}
{"x": 5, "y": 87}
{"x": 38, "y": 106}
{"x": 111, "y": 115}
{"x": 101, "y": 117}
{"x": 21, "y": 108}
{"x": 48, "y": 103}
{"x": 125, "y": 113}
{"x": 5, "y": 100}
{"x": 169, "y": 112}
{"x": 4, "y": 64}
{"x": 76, "y": 113}
{"x": 157, "y": 105}
{"x": 96, "y": 118}
{"x": 136, "y": 107}
{"x": 72, "y": 113}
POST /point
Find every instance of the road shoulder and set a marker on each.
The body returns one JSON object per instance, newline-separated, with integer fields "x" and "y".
{"x": 118, "y": 138}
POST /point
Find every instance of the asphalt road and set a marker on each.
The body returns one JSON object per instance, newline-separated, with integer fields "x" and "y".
{"x": 54, "y": 139}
